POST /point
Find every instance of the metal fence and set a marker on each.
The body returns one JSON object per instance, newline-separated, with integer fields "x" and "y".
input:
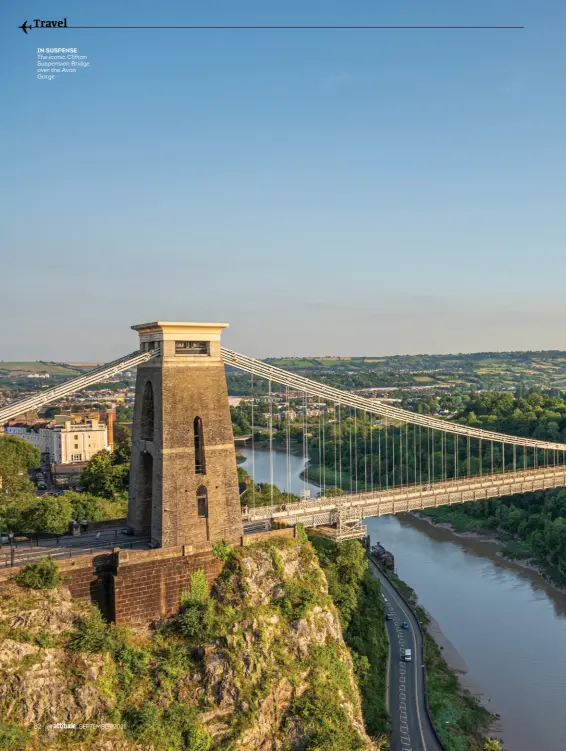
{"x": 15, "y": 557}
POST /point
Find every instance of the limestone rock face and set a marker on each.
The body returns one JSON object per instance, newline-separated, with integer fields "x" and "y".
{"x": 277, "y": 648}
{"x": 269, "y": 649}
{"x": 35, "y": 683}
{"x": 50, "y": 610}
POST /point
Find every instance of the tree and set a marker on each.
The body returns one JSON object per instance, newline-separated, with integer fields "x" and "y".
{"x": 16, "y": 458}
{"x": 50, "y": 514}
{"x": 124, "y": 414}
{"x": 122, "y": 450}
{"x": 491, "y": 744}
{"x": 93, "y": 508}
{"x": 332, "y": 492}
{"x": 121, "y": 433}
{"x": 103, "y": 477}
{"x": 16, "y": 491}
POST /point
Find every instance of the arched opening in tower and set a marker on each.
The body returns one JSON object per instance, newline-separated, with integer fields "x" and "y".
{"x": 147, "y": 414}
{"x": 145, "y": 491}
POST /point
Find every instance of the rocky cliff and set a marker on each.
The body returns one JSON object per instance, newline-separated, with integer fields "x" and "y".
{"x": 260, "y": 665}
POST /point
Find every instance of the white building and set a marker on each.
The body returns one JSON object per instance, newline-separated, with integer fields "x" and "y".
{"x": 65, "y": 443}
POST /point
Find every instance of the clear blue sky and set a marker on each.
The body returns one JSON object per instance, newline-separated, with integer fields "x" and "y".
{"x": 326, "y": 192}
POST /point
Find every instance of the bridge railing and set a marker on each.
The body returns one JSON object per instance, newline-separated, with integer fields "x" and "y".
{"x": 395, "y": 500}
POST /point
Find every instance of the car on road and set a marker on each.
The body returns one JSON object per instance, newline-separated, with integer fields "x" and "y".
{"x": 407, "y": 655}
{"x": 405, "y": 624}
{"x": 42, "y": 485}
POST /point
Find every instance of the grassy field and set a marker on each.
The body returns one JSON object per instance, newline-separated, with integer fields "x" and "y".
{"x": 484, "y": 370}
{"x": 22, "y": 368}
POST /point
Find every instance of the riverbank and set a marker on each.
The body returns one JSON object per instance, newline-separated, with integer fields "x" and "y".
{"x": 512, "y": 548}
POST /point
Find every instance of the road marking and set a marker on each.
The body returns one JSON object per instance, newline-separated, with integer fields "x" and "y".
{"x": 402, "y": 705}
{"x": 402, "y": 696}
{"x": 404, "y": 729}
{"x": 396, "y": 599}
{"x": 402, "y": 678}
{"x": 405, "y": 741}
{"x": 403, "y": 716}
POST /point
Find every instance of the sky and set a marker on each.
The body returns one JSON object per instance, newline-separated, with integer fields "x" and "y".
{"x": 340, "y": 192}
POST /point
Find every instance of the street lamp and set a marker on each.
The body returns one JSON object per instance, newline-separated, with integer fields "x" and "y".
{"x": 12, "y": 552}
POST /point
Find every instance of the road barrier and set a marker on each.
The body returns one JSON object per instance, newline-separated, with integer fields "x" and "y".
{"x": 13, "y": 559}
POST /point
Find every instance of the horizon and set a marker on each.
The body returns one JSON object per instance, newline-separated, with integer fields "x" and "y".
{"x": 324, "y": 357}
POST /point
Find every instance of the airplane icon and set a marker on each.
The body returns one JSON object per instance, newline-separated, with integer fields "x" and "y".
{"x": 24, "y": 27}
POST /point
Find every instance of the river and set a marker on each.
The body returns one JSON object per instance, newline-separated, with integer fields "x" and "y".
{"x": 500, "y": 623}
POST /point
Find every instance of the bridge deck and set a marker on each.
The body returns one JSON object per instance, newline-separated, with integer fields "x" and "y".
{"x": 357, "y": 506}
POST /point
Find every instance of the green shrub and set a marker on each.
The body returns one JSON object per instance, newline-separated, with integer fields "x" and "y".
{"x": 221, "y": 550}
{"x": 92, "y": 634}
{"x": 322, "y": 718}
{"x": 277, "y": 562}
{"x": 13, "y": 737}
{"x": 198, "y": 589}
{"x": 133, "y": 662}
{"x": 196, "y": 621}
{"x": 301, "y": 534}
{"x": 173, "y": 729}
{"x": 45, "y": 640}
{"x": 41, "y": 575}
{"x": 297, "y": 600}
{"x": 197, "y": 614}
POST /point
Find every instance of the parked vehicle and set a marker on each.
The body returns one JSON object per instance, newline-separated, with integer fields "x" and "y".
{"x": 405, "y": 624}
{"x": 408, "y": 655}
{"x": 388, "y": 617}
{"x": 42, "y": 485}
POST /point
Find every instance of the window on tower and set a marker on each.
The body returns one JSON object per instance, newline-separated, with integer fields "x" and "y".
{"x": 202, "y": 502}
{"x": 200, "y": 466}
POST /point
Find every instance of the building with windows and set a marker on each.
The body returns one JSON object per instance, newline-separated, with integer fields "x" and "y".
{"x": 63, "y": 441}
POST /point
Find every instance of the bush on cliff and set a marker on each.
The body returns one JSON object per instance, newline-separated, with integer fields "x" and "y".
{"x": 197, "y": 615}
{"x": 13, "y": 737}
{"x": 41, "y": 575}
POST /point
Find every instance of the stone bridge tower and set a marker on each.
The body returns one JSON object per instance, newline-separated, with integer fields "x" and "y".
{"x": 183, "y": 478}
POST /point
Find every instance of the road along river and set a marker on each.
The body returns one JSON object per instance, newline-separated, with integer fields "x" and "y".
{"x": 506, "y": 624}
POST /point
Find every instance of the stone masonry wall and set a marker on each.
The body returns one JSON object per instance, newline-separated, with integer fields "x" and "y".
{"x": 149, "y": 588}
{"x": 141, "y": 586}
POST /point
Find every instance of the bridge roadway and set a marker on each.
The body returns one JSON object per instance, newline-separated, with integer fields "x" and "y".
{"x": 353, "y": 507}
{"x": 411, "y": 728}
